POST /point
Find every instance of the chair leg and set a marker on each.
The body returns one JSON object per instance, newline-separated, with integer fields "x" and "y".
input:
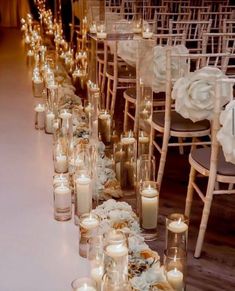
{"x": 107, "y": 103}
{"x": 181, "y": 148}
{"x": 189, "y": 197}
{"x": 204, "y": 220}
{"x": 126, "y": 115}
{"x": 113, "y": 100}
{"x": 162, "y": 162}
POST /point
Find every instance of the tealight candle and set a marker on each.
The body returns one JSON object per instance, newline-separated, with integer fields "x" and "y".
{"x": 85, "y": 287}
{"x": 128, "y": 140}
{"x": 147, "y": 33}
{"x": 101, "y": 35}
{"x": 89, "y": 222}
{"x": 175, "y": 278}
{"x": 149, "y": 200}
{"x": 177, "y": 226}
{"x": 116, "y": 251}
{"x": 84, "y": 195}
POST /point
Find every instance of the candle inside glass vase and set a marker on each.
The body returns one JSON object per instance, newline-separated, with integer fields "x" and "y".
{"x": 175, "y": 268}
{"x": 62, "y": 202}
{"x": 39, "y": 116}
{"x": 88, "y": 224}
{"x": 149, "y": 209}
{"x": 177, "y": 231}
{"x": 83, "y": 186}
{"x": 105, "y": 126}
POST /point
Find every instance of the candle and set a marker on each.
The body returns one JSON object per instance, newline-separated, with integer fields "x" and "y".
{"x": 65, "y": 115}
{"x": 143, "y": 139}
{"x": 84, "y": 195}
{"x": 89, "y": 222}
{"x": 175, "y": 278}
{"x": 61, "y": 163}
{"x": 39, "y": 116}
{"x": 128, "y": 140}
{"x": 96, "y": 275}
{"x": 116, "y": 251}
{"x": 50, "y": 117}
{"x": 62, "y": 197}
{"x": 85, "y": 287}
{"x": 104, "y": 126}
{"x": 101, "y": 35}
{"x": 147, "y": 33}
{"x": 178, "y": 226}
{"x": 149, "y": 200}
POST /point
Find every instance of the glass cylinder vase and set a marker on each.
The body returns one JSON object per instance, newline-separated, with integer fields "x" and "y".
{"x": 175, "y": 262}
{"x": 177, "y": 231}
{"x": 149, "y": 202}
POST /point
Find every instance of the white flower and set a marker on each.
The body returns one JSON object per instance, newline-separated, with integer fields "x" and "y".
{"x": 195, "y": 95}
{"x": 226, "y": 135}
{"x": 155, "y": 75}
{"x": 139, "y": 283}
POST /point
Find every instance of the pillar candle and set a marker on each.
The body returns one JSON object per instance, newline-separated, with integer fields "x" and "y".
{"x": 175, "y": 278}
{"x": 149, "y": 200}
{"x": 84, "y": 195}
{"x": 62, "y": 197}
{"x": 50, "y": 117}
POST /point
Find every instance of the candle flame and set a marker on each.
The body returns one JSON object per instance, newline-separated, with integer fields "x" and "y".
{"x": 179, "y": 221}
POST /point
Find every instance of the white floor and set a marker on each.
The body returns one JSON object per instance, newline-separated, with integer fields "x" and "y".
{"x": 37, "y": 253}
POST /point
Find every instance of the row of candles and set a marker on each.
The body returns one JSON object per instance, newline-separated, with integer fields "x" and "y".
{"x": 108, "y": 255}
{"x": 75, "y": 182}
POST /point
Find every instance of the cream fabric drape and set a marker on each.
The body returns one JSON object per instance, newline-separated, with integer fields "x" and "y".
{"x": 11, "y": 11}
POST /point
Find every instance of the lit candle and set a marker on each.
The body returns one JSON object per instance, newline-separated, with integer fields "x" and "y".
{"x": 65, "y": 115}
{"x": 61, "y": 163}
{"x": 101, "y": 35}
{"x": 104, "y": 126}
{"x": 116, "y": 251}
{"x": 85, "y": 287}
{"x": 89, "y": 222}
{"x": 149, "y": 200}
{"x": 128, "y": 140}
{"x": 175, "y": 278}
{"x": 147, "y": 33}
{"x": 50, "y": 117}
{"x": 178, "y": 226}
{"x": 62, "y": 197}
{"x": 40, "y": 116}
{"x": 84, "y": 195}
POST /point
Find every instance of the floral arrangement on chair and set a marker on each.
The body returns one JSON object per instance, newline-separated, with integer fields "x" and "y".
{"x": 226, "y": 135}
{"x": 195, "y": 96}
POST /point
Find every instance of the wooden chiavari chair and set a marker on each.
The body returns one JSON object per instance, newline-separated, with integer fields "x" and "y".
{"x": 193, "y": 30}
{"x": 209, "y": 162}
{"x": 130, "y": 94}
{"x": 169, "y": 123}
{"x": 194, "y": 10}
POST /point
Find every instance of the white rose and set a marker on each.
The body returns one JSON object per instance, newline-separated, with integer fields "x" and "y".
{"x": 225, "y": 134}
{"x": 195, "y": 96}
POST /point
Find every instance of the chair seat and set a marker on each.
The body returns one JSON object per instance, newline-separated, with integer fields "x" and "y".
{"x": 179, "y": 123}
{"x": 124, "y": 72}
{"x": 202, "y": 157}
